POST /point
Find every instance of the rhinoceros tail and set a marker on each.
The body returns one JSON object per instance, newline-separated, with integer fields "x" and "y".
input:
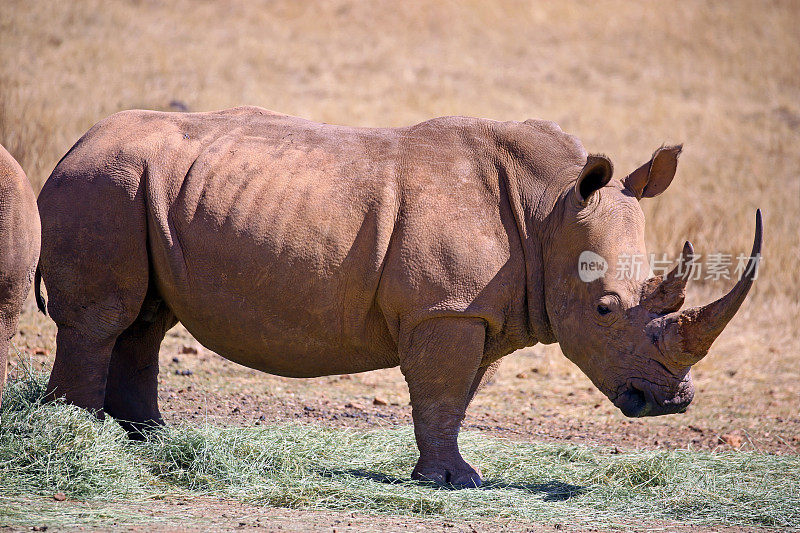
{"x": 37, "y": 291}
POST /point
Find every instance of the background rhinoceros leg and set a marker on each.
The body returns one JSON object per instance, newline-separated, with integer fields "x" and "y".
{"x": 6, "y": 332}
{"x": 13, "y": 290}
{"x": 440, "y": 360}
{"x": 132, "y": 385}
{"x": 9, "y": 316}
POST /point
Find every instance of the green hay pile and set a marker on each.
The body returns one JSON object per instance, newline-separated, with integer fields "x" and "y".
{"x": 52, "y": 448}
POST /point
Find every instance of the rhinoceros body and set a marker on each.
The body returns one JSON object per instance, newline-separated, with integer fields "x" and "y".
{"x": 19, "y": 249}
{"x": 305, "y": 249}
{"x": 293, "y": 247}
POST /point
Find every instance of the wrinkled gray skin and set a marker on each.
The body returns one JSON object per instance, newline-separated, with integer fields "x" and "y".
{"x": 19, "y": 250}
{"x": 305, "y": 249}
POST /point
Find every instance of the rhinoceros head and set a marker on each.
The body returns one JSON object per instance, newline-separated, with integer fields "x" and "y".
{"x": 620, "y": 324}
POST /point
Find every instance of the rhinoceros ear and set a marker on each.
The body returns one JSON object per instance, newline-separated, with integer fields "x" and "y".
{"x": 653, "y": 178}
{"x": 595, "y": 175}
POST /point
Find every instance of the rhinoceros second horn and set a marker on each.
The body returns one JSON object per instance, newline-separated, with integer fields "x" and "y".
{"x": 689, "y": 333}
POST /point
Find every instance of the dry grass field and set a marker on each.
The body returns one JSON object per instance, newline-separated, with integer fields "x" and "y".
{"x": 723, "y": 78}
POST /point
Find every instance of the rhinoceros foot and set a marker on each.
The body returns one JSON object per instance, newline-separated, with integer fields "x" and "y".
{"x": 455, "y": 473}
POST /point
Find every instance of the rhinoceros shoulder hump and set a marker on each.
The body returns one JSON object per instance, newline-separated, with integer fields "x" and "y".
{"x": 552, "y": 130}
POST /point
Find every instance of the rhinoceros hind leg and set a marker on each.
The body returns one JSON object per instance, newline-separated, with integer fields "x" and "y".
{"x": 95, "y": 266}
{"x": 132, "y": 386}
{"x": 440, "y": 360}
{"x": 80, "y": 369}
{"x": 89, "y": 321}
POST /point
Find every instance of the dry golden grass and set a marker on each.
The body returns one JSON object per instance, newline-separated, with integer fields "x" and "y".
{"x": 721, "y": 78}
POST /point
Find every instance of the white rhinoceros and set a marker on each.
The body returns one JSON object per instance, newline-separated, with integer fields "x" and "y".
{"x": 306, "y": 249}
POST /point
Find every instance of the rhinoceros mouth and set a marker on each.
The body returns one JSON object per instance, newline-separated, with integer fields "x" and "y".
{"x": 632, "y": 402}
{"x": 636, "y": 401}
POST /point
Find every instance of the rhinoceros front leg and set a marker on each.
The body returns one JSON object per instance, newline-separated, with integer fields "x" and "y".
{"x": 440, "y": 360}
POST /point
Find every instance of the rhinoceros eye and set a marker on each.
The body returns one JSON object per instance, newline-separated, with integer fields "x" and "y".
{"x": 607, "y": 307}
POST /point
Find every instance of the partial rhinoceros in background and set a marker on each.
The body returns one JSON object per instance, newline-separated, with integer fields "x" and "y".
{"x": 19, "y": 250}
{"x": 305, "y": 249}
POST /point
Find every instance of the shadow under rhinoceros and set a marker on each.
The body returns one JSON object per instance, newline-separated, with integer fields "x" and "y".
{"x": 552, "y": 491}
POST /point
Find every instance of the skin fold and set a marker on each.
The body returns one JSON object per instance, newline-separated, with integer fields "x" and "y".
{"x": 304, "y": 249}
{"x": 19, "y": 250}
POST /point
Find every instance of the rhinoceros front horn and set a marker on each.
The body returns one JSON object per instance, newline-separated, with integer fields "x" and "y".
{"x": 687, "y": 335}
